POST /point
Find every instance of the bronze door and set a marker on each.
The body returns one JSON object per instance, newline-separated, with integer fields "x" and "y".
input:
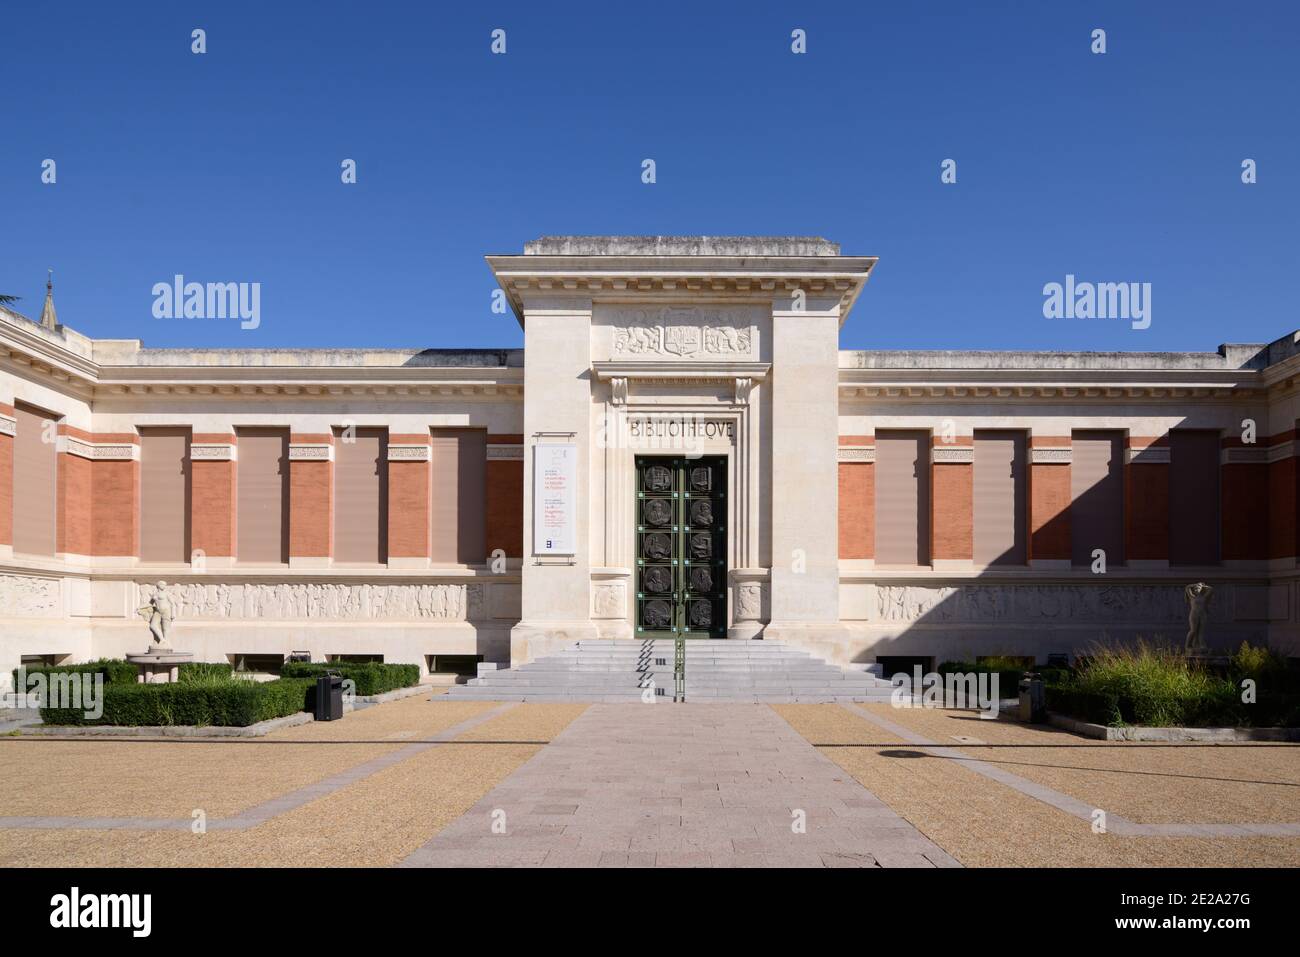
{"x": 681, "y": 547}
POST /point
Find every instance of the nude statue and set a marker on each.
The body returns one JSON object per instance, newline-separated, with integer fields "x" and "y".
{"x": 158, "y": 613}
{"x": 1198, "y": 611}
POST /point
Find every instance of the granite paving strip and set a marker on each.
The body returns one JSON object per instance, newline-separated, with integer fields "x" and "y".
{"x": 264, "y": 811}
{"x": 700, "y": 785}
{"x": 1115, "y": 823}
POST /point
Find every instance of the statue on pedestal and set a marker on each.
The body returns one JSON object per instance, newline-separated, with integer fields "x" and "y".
{"x": 158, "y": 613}
{"x": 1198, "y": 613}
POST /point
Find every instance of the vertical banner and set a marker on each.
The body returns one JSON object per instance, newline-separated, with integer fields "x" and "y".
{"x": 555, "y": 483}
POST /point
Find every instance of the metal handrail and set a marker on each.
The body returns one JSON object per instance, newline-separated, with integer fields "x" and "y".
{"x": 679, "y": 668}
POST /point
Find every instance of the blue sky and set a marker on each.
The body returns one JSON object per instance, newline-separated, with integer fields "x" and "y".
{"x": 226, "y": 166}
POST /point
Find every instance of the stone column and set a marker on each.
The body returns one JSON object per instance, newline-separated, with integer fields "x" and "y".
{"x": 1049, "y": 501}
{"x": 556, "y": 590}
{"x": 1146, "y": 502}
{"x": 311, "y": 498}
{"x": 805, "y": 493}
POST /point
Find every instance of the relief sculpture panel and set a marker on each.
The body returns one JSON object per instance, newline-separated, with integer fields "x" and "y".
{"x": 23, "y": 596}
{"x": 279, "y": 600}
{"x": 1162, "y": 605}
{"x": 682, "y": 334}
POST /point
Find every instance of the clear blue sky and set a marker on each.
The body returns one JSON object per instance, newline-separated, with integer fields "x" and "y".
{"x": 225, "y": 166}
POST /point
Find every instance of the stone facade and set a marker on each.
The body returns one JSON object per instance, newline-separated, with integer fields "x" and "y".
{"x": 676, "y": 346}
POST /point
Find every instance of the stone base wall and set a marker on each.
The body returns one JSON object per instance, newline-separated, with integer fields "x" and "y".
{"x": 405, "y": 620}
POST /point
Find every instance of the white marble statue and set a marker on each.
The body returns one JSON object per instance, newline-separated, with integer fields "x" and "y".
{"x": 158, "y": 613}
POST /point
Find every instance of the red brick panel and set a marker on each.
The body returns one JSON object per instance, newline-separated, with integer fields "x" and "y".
{"x": 1244, "y": 511}
{"x": 7, "y": 483}
{"x": 857, "y": 509}
{"x": 311, "y": 496}
{"x": 952, "y": 529}
{"x": 408, "y": 508}
{"x": 504, "y": 505}
{"x": 213, "y": 499}
{"x": 212, "y": 508}
{"x": 115, "y": 496}
{"x": 1049, "y": 511}
{"x": 1146, "y": 505}
{"x": 74, "y": 505}
{"x": 1283, "y": 490}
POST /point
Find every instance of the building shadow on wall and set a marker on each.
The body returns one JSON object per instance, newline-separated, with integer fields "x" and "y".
{"x": 1100, "y": 594}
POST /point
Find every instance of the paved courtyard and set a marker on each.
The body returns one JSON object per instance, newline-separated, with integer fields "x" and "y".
{"x": 700, "y": 785}
{"x": 466, "y": 783}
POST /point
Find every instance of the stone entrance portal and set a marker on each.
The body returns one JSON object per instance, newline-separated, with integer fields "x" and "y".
{"x": 681, "y": 541}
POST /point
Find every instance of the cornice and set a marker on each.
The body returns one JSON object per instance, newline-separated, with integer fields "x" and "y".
{"x": 28, "y": 350}
{"x": 620, "y": 278}
{"x": 1058, "y": 389}
{"x": 677, "y": 370}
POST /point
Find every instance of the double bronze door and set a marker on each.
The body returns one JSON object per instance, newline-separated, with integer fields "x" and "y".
{"x": 681, "y": 547}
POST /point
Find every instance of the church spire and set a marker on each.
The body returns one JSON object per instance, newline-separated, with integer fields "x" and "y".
{"x": 48, "y": 319}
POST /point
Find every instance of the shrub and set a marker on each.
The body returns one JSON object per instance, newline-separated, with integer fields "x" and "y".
{"x": 1009, "y": 672}
{"x": 370, "y": 677}
{"x": 115, "y": 671}
{"x": 1149, "y": 685}
{"x": 1159, "y": 687}
{"x": 205, "y": 671}
{"x": 223, "y": 703}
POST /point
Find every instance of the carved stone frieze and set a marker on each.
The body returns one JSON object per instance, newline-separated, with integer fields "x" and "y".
{"x": 325, "y": 600}
{"x": 683, "y": 334}
{"x": 25, "y": 596}
{"x": 1161, "y": 605}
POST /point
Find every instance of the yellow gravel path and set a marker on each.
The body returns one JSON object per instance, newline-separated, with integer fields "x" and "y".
{"x": 986, "y": 824}
{"x": 374, "y": 822}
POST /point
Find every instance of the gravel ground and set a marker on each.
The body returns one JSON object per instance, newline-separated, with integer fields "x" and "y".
{"x": 376, "y": 821}
{"x": 133, "y": 778}
{"x": 1253, "y": 782}
{"x": 986, "y": 824}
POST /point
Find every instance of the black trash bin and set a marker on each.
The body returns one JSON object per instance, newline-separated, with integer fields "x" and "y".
{"x": 329, "y": 697}
{"x": 1033, "y": 701}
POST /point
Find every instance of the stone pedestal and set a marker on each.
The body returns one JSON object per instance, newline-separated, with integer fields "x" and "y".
{"x": 159, "y": 666}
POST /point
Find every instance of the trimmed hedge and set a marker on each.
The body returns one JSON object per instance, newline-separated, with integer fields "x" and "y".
{"x": 205, "y": 671}
{"x": 370, "y": 678}
{"x": 1219, "y": 708}
{"x": 115, "y": 671}
{"x": 1008, "y": 678}
{"x": 224, "y": 704}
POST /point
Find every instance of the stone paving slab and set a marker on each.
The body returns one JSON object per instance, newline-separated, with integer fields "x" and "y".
{"x": 705, "y": 785}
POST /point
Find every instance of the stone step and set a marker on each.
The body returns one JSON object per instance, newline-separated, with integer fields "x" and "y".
{"x": 623, "y": 670}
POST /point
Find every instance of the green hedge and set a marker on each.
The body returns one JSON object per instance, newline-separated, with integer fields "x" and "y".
{"x": 370, "y": 677}
{"x": 115, "y": 671}
{"x": 219, "y": 703}
{"x": 205, "y": 671}
{"x": 1008, "y": 678}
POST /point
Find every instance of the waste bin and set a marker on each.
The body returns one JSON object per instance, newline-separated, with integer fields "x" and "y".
{"x": 1033, "y": 702}
{"x": 329, "y": 697}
